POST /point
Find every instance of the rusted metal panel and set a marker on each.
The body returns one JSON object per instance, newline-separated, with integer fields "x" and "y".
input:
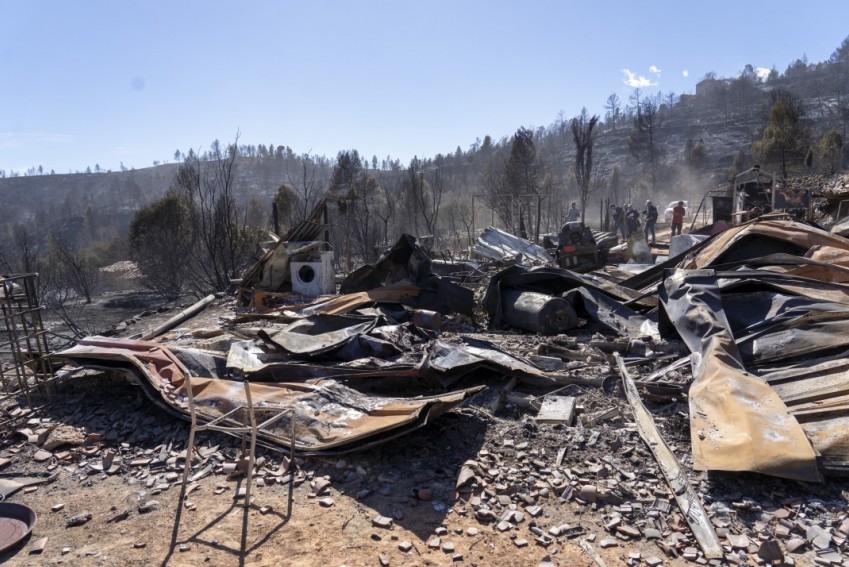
{"x": 737, "y": 422}
{"x": 332, "y": 418}
{"x": 754, "y": 239}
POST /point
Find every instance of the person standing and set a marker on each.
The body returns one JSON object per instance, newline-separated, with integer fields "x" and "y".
{"x": 632, "y": 220}
{"x": 617, "y": 217}
{"x": 573, "y": 214}
{"x": 650, "y": 213}
{"x": 678, "y": 213}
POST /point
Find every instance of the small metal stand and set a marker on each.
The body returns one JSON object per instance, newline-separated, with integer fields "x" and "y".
{"x": 249, "y": 427}
{"x": 24, "y": 353}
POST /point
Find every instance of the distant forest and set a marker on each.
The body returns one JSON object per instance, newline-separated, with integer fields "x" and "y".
{"x": 658, "y": 145}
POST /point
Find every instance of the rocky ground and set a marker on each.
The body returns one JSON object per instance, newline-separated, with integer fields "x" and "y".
{"x": 485, "y": 484}
{"x": 471, "y": 488}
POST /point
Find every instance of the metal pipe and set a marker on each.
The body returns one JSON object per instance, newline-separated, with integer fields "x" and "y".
{"x": 183, "y": 315}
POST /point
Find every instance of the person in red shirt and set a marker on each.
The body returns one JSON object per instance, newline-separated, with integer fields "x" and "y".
{"x": 678, "y": 213}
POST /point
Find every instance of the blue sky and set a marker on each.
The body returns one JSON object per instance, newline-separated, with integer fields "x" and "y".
{"x": 111, "y": 82}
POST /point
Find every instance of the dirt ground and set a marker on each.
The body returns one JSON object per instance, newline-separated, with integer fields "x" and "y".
{"x": 297, "y": 530}
{"x": 135, "y": 518}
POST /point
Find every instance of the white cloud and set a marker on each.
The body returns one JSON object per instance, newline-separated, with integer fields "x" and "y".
{"x": 762, "y": 73}
{"x": 685, "y": 72}
{"x": 636, "y": 82}
{"x": 654, "y": 70}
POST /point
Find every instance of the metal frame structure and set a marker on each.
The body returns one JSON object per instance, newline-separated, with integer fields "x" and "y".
{"x": 24, "y": 352}
{"x": 248, "y": 428}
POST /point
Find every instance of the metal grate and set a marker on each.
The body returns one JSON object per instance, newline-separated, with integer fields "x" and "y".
{"x": 24, "y": 354}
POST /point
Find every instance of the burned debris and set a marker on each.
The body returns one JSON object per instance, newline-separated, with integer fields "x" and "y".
{"x": 591, "y": 413}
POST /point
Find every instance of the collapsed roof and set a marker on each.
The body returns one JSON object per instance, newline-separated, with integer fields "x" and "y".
{"x": 762, "y": 309}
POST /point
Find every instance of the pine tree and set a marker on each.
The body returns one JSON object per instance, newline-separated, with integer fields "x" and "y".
{"x": 785, "y": 138}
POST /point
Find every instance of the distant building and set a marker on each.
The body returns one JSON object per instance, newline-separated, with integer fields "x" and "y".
{"x": 710, "y": 88}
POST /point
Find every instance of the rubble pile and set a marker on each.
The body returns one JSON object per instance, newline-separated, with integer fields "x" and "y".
{"x": 696, "y": 411}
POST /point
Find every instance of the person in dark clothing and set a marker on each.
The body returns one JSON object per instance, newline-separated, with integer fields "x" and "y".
{"x": 632, "y": 220}
{"x": 650, "y": 214}
{"x": 617, "y": 220}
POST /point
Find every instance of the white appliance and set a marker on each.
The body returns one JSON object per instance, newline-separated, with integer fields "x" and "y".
{"x": 312, "y": 274}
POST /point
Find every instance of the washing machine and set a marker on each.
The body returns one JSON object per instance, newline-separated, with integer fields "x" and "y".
{"x": 312, "y": 274}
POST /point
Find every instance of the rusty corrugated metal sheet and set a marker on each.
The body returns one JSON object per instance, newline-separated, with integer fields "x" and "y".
{"x": 331, "y": 418}
{"x": 737, "y": 421}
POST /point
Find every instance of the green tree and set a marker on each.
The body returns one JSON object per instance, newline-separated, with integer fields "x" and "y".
{"x": 829, "y": 149}
{"x": 285, "y": 204}
{"x": 785, "y": 138}
{"x": 160, "y": 240}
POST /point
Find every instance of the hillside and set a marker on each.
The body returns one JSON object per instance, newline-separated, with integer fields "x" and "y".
{"x": 725, "y": 116}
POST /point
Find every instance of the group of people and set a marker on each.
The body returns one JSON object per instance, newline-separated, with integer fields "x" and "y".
{"x": 627, "y": 220}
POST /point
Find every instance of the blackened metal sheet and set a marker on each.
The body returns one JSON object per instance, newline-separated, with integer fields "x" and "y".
{"x": 318, "y": 335}
{"x": 811, "y": 383}
{"x": 806, "y": 337}
{"x": 255, "y": 364}
{"x": 499, "y": 245}
{"x": 692, "y": 302}
{"x": 817, "y": 394}
{"x": 447, "y": 363}
{"x": 747, "y": 243}
{"x": 407, "y": 262}
{"x": 761, "y": 237}
{"x": 551, "y": 281}
{"x": 611, "y": 315}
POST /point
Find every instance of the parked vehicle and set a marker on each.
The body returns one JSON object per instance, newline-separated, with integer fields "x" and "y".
{"x": 667, "y": 213}
{"x": 578, "y": 250}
